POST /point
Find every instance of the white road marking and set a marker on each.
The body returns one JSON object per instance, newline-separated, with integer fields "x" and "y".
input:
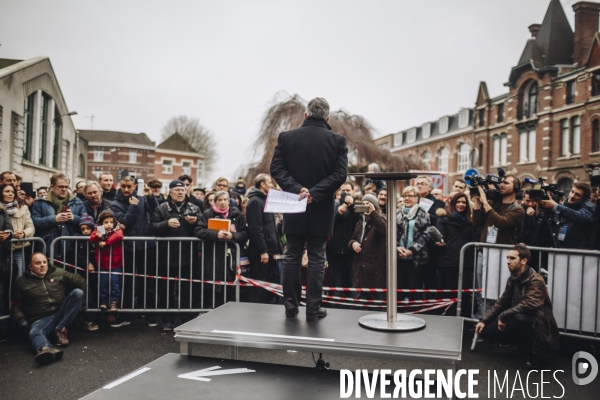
{"x": 198, "y": 375}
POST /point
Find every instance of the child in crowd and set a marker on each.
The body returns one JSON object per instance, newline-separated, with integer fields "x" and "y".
{"x": 109, "y": 257}
{"x": 85, "y": 256}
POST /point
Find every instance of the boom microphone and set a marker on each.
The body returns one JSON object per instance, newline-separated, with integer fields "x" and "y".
{"x": 434, "y": 234}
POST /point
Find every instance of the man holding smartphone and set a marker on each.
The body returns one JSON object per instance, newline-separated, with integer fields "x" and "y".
{"x": 57, "y": 214}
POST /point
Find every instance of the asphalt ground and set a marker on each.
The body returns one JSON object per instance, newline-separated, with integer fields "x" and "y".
{"x": 94, "y": 359}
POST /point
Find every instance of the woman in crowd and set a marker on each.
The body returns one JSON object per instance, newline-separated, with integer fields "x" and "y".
{"x": 456, "y": 226}
{"x": 369, "y": 244}
{"x": 209, "y": 200}
{"x": 20, "y": 218}
{"x": 223, "y": 250}
{"x": 412, "y": 222}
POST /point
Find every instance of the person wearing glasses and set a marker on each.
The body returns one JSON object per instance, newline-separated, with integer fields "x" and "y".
{"x": 413, "y": 256}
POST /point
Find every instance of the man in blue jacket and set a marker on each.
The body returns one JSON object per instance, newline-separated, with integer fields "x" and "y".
{"x": 133, "y": 213}
{"x": 576, "y": 218}
{"x": 57, "y": 214}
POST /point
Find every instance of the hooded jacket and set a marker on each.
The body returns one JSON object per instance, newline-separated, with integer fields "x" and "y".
{"x": 261, "y": 225}
{"x": 112, "y": 254}
{"x": 46, "y": 227}
{"x": 527, "y": 294}
{"x": 36, "y": 298}
{"x": 136, "y": 219}
{"x": 21, "y": 221}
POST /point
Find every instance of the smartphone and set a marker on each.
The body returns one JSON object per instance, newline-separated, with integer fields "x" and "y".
{"x": 65, "y": 209}
{"x": 361, "y": 209}
{"x": 27, "y": 187}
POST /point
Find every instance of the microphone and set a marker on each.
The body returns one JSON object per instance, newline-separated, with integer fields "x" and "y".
{"x": 434, "y": 234}
{"x": 529, "y": 180}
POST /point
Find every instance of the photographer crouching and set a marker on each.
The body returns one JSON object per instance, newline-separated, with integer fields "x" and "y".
{"x": 576, "y": 218}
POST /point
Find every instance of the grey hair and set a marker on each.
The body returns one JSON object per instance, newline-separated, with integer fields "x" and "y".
{"x": 318, "y": 108}
{"x": 429, "y": 180}
{"x": 260, "y": 178}
{"x": 221, "y": 193}
{"x": 92, "y": 183}
{"x": 375, "y": 167}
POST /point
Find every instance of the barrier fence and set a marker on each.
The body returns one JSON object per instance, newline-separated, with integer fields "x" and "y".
{"x": 158, "y": 274}
{"x": 12, "y": 265}
{"x": 572, "y": 277}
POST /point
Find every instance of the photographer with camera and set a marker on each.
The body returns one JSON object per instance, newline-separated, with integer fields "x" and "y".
{"x": 499, "y": 220}
{"x": 576, "y": 217}
{"x": 176, "y": 217}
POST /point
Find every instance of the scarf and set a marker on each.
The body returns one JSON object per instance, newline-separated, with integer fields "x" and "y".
{"x": 11, "y": 208}
{"x": 57, "y": 203}
{"x": 224, "y": 213}
{"x": 459, "y": 216}
{"x": 408, "y": 236}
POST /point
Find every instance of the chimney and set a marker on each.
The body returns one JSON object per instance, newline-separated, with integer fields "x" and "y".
{"x": 534, "y": 29}
{"x": 587, "y": 14}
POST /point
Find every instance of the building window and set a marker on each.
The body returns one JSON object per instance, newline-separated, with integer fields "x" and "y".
{"x": 44, "y": 128}
{"x": 530, "y": 100}
{"x": 527, "y": 144}
{"x": 426, "y": 160}
{"x": 463, "y": 118}
{"x": 167, "y": 167}
{"x": 186, "y": 168}
{"x": 384, "y": 145}
{"x": 595, "y": 136}
{"x": 443, "y": 160}
{"x": 481, "y": 117}
{"x": 596, "y": 83}
{"x": 132, "y": 156}
{"x": 570, "y": 137}
{"x": 500, "y": 113}
{"x": 28, "y": 128}
{"x": 99, "y": 155}
{"x": 463, "y": 157}
{"x": 82, "y": 166}
{"x": 97, "y": 172}
{"x": 56, "y": 142}
{"x": 412, "y": 135}
{"x": 565, "y": 184}
{"x": 200, "y": 172}
{"x": 426, "y": 130}
{"x": 570, "y": 97}
{"x": 398, "y": 139}
{"x": 444, "y": 124}
{"x": 500, "y": 150}
{"x": 481, "y": 154}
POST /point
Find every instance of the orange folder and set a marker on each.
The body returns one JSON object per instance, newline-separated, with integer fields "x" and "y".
{"x": 217, "y": 224}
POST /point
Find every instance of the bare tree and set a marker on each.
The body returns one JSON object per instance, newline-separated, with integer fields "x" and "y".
{"x": 287, "y": 112}
{"x": 198, "y": 136}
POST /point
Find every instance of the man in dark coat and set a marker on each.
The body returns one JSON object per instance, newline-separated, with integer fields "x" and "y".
{"x": 311, "y": 161}
{"x": 522, "y": 316}
{"x": 264, "y": 241}
{"x": 94, "y": 202}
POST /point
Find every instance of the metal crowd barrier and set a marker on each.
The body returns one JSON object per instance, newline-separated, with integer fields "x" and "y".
{"x": 573, "y": 282}
{"x": 159, "y": 274}
{"x": 18, "y": 257}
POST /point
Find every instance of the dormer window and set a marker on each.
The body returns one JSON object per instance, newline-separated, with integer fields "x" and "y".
{"x": 530, "y": 100}
{"x": 463, "y": 118}
{"x": 444, "y": 124}
{"x": 426, "y": 130}
{"x": 412, "y": 135}
{"x": 570, "y": 96}
{"x": 398, "y": 139}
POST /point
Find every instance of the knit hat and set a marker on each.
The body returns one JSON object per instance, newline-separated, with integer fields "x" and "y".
{"x": 86, "y": 220}
{"x": 176, "y": 183}
{"x": 371, "y": 199}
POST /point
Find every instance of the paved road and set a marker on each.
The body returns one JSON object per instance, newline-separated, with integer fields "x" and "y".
{"x": 97, "y": 358}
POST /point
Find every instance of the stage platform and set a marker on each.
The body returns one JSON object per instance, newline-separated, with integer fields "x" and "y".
{"x": 265, "y": 326}
{"x": 174, "y": 376}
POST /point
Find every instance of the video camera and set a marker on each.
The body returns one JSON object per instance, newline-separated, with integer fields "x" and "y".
{"x": 543, "y": 192}
{"x": 491, "y": 183}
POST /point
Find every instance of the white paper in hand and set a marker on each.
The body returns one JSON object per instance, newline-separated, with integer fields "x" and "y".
{"x": 425, "y": 204}
{"x": 284, "y": 203}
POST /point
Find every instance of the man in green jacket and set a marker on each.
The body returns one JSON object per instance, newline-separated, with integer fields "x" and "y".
{"x": 49, "y": 299}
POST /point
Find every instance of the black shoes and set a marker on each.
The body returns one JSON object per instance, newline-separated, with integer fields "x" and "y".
{"x": 48, "y": 355}
{"x": 321, "y": 313}
{"x": 291, "y": 314}
{"x": 533, "y": 362}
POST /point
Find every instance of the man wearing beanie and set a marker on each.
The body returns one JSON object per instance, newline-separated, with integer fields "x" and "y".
{"x": 371, "y": 199}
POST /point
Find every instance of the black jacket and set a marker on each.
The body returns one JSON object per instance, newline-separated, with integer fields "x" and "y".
{"x": 343, "y": 227}
{"x": 110, "y": 195}
{"x": 315, "y": 158}
{"x": 196, "y": 202}
{"x": 261, "y": 225}
{"x": 579, "y": 219}
{"x": 240, "y": 236}
{"x": 456, "y": 233}
{"x": 437, "y": 204}
{"x": 159, "y": 226}
{"x": 104, "y": 205}
{"x": 135, "y": 218}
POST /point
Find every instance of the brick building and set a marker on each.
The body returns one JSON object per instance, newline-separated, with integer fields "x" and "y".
{"x": 175, "y": 157}
{"x": 120, "y": 153}
{"x": 547, "y": 124}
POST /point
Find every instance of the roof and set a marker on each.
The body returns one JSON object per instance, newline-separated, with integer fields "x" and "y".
{"x": 5, "y": 62}
{"x": 553, "y": 45}
{"x": 116, "y": 137}
{"x": 176, "y": 142}
{"x": 9, "y": 67}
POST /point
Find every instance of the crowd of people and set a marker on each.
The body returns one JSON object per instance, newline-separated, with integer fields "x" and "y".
{"x": 431, "y": 231}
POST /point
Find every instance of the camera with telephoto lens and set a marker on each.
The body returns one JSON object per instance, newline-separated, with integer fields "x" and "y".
{"x": 491, "y": 184}
{"x": 190, "y": 212}
{"x": 543, "y": 192}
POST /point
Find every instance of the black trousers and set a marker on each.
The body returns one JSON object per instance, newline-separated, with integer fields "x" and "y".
{"x": 519, "y": 332}
{"x": 449, "y": 280}
{"x": 409, "y": 277}
{"x": 292, "y": 284}
{"x": 268, "y": 272}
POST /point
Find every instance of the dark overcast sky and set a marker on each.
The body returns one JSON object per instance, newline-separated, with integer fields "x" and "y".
{"x": 134, "y": 64}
